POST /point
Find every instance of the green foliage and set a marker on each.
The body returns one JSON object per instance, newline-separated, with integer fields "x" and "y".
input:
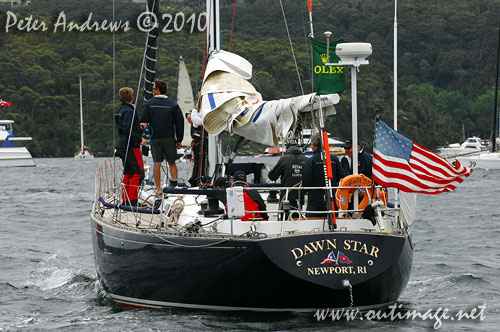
{"x": 447, "y": 53}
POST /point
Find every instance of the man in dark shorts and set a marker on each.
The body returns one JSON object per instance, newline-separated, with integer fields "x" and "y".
{"x": 129, "y": 136}
{"x": 166, "y": 124}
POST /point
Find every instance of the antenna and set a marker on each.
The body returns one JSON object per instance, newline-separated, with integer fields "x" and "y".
{"x": 328, "y": 34}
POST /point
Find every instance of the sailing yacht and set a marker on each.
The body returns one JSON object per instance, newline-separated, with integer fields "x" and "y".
{"x": 488, "y": 159}
{"x": 84, "y": 152}
{"x": 185, "y": 249}
{"x": 185, "y": 100}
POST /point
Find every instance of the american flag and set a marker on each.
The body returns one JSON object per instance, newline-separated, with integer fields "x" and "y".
{"x": 400, "y": 163}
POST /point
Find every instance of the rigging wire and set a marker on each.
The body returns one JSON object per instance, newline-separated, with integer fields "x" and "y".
{"x": 137, "y": 93}
{"x": 291, "y": 46}
{"x": 114, "y": 73}
{"x": 232, "y": 26}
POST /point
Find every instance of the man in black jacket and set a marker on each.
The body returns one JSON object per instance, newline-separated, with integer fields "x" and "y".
{"x": 289, "y": 169}
{"x": 314, "y": 176}
{"x": 129, "y": 136}
{"x": 166, "y": 122}
{"x": 364, "y": 160}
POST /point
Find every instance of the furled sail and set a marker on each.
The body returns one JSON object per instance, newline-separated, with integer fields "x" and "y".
{"x": 230, "y": 102}
{"x": 152, "y": 42}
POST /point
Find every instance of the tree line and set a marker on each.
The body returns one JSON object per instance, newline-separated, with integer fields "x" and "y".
{"x": 447, "y": 55}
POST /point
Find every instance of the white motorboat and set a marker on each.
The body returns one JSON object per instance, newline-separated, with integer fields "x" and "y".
{"x": 12, "y": 152}
{"x": 488, "y": 159}
{"x": 471, "y": 145}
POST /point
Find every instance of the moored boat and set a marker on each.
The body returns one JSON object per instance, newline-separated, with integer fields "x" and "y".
{"x": 12, "y": 151}
{"x": 471, "y": 145}
{"x": 84, "y": 152}
{"x": 488, "y": 159}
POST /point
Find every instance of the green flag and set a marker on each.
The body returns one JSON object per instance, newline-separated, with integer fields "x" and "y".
{"x": 329, "y": 79}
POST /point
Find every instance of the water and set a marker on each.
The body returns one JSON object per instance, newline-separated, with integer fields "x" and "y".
{"x": 48, "y": 280}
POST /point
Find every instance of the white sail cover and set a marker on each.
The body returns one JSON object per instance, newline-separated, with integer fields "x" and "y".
{"x": 229, "y": 102}
{"x": 185, "y": 98}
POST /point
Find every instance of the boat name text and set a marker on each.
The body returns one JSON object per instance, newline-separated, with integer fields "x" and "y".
{"x": 320, "y": 245}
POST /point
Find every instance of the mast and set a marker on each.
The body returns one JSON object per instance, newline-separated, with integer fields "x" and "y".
{"x": 495, "y": 112}
{"x": 396, "y": 80}
{"x": 81, "y": 115}
{"x": 395, "y": 65}
{"x": 311, "y": 34}
{"x": 213, "y": 43}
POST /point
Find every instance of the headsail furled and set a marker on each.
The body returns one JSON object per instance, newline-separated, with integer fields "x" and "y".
{"x": 151, "y": 47}
{"x": 230, "y": 102}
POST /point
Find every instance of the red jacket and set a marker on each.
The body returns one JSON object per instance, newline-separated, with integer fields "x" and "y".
{"x": 254, "y": 202}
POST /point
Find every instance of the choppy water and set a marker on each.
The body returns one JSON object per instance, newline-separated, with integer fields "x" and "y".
{"x": 48, "y": 280}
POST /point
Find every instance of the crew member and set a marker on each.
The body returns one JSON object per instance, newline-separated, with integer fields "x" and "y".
{"x": 364, "y": 160}
{"x": 253, "y": 200}
{"x": 194, "y": 119}
{"x": 129, "y": 135}
{"x": 167, "y": 129}
{"x": 289, "y": 169}
{"x": 313, "y": 175}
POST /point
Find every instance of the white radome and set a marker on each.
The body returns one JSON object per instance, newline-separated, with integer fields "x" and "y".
{"x": 353, "y": 51}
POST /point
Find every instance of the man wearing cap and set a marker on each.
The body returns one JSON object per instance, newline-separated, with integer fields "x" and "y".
{"x": 314, "y": 176}
{"x": 289, "y": 169}
{"x": 253, "y": 200}
{"x": 165, "y": 119}
{"x": 364, "y": 160}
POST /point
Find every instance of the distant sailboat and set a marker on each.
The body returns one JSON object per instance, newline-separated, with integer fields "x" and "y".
{"x": 84, "y": 152}
{"x": 489, "y": 159}
{"x": 185, "y": 100}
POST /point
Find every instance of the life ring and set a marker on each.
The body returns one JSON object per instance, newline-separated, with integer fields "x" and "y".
{"x": 343, "y": 195}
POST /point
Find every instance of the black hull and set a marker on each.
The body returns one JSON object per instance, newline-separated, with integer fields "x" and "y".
{"x": 144, "y": 270}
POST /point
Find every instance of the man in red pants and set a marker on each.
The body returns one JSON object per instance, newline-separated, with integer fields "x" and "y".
{"x": 128, "y": 147}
